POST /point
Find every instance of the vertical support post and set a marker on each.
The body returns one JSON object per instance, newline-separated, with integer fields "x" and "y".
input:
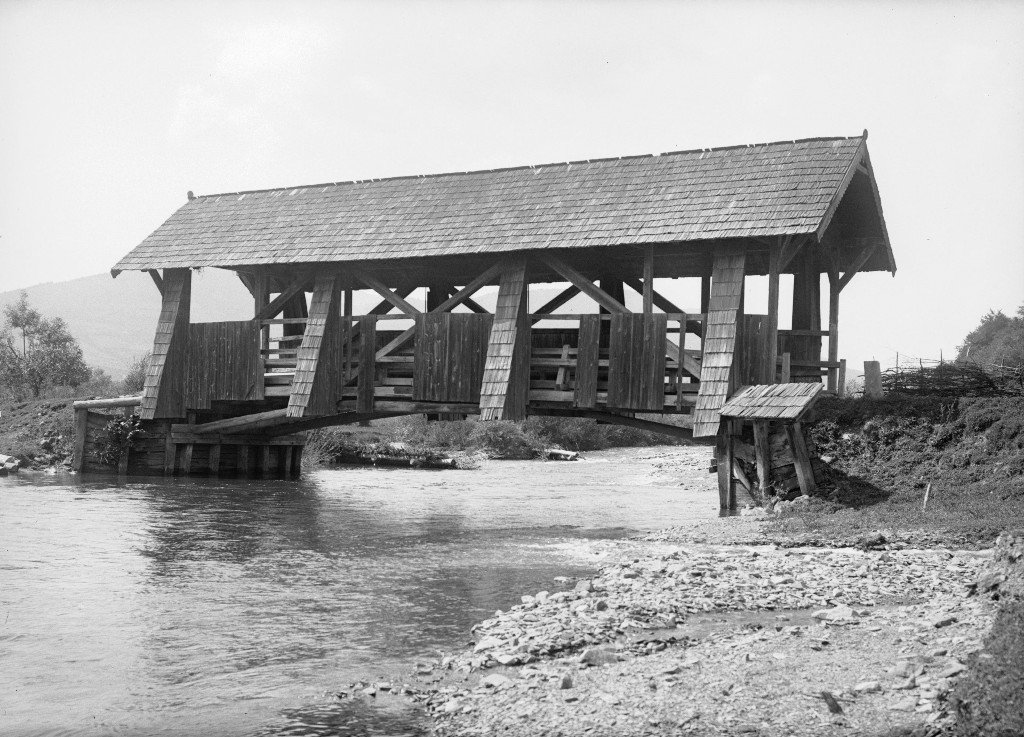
{"x": 774, "y": 262}
{"x": 726, "y": 457}
{"x": 806, "y": 307}
{"x": 762, "y": 456}
{"x": 186, "y": 460}
{"x": 265, "y": 461}
{"x": 261, "y": 298}
{"x": 367, "y": 363}
{"x": 505, "y": 384}
{"x": 286, "y": 461}
{"x": 705, "y": 294}
{"x": 841, "y": 383}
{"x": 801, "y": 458}
{"x": 680, "y": 357}
{"x": 243, "y": 460}
{"x": 170, "y": 451}
{"x": 833, "y": 328}
{"x": 648, "y": 280}
{"x": 873, "y": 380}
{"x": 81, "y": 429}
{"x": 297, "y": 461}
{"x": 785, "y": 375}
{"x": 163, "y": 394}
{"x": 215, "y": 459}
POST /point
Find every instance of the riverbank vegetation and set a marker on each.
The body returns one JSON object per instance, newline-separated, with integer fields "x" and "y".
{"x": 468, "y": 440}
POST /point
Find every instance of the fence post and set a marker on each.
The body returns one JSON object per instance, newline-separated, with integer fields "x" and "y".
{"x": 873, "y": 379}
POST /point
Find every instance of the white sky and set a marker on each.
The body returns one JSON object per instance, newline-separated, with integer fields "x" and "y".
{"x": 111, "y": 111}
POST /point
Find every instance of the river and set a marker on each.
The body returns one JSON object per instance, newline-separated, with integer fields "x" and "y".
{"x": 200, "y": 606}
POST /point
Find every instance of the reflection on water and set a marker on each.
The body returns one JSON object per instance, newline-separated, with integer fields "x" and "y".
{"x": 237, "y": 607}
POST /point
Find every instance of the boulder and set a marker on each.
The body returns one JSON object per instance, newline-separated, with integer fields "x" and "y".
{"x": 598, "y": 656}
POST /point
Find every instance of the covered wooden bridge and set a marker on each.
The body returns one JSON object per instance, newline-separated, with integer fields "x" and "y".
{"x": 233, "y": 396}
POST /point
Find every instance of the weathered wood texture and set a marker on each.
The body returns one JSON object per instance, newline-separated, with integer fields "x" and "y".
{"x": 223, "y": 363}
{"x": 720, "y": 330}
{"x": 772, "y": 402}
{"x": 636, "y": 362}
{"x": 806, "y": 316}
{"x": 754, "y": 357}
{"x": 588, "y": 353}
{"x": 317, "y": 374}
{"x": 163, "y": 390}
{"x": 367, "y": 369}
{"x": 506, "y": 379}
{"x": 449, "y": 356}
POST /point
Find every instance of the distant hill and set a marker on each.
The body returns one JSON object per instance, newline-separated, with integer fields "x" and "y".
{"x": 114, "y": 319}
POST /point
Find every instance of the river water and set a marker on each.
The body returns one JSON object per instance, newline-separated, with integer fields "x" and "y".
{"x": 189, "y": 606}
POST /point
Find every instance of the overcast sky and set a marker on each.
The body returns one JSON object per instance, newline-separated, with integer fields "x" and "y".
{"x": 112, "y": 111}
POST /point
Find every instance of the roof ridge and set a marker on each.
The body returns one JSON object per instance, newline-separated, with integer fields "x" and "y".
{"x": 529, "y": 166}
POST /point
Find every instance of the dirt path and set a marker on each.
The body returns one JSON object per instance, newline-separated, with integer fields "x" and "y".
{"x": 681, "y": 636}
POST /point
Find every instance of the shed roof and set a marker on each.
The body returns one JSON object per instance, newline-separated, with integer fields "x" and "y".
{"x": 772, "y": 401}
{"x": 769, "y": 189}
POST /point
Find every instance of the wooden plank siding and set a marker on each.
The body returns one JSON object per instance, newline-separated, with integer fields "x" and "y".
{"x": 720, "y": 334}
{"x": 587, "y": 355}
{"x": 449, "y": 356}
{"x": 506, "y": 380}
{"x": 163, "y": 389}
{"x": 636, "y": 362}
{"x": 753, "y": 353}
{"x": 223, "y": 363}
{"x": 315, "y": 363}
{"x": 367, "y": 368}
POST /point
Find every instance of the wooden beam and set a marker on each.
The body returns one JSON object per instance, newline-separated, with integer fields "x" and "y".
{"x": 557, "y": 301}
{"x": 583, "y": 284}
{"x": 322, "y": 317}
{"x": 367, "y": 368}
{"x": 841, "y": 191}
{"x": 476, "y": 307}
{"x": 648, "y": 285}
{"x": 613, "y": 418}
{"x": 261, "y": 296}
{"x": 705, "y": 293}
{"x": 81, "y": 429}
{"x": 453, "y": 301}
{"x": 107, "y": 403}
{"x": 163, "y": 389}
{"x": 804, "y": 471}
{"x": 275, "y": 306}
{"x": 157, "y": 279}
{"x": 762, "y": 457}
{"x": 243, "y": 423}
{"x": 833, "y": 327}
{"x": 498, "y": 388}
{"x": 855, "y": 266}
{"x": 791, "y": 245}
{"x": 774, "y": 268}
{"x": 382, "y": 289}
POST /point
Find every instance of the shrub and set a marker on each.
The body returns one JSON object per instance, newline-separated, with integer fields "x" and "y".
{"x": 120, "y": 436}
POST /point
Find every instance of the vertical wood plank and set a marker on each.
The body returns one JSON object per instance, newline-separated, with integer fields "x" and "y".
{"x": 186, "y": 460}
{"x": 297, "y": 461}
{"x": 286, "y": 463}
{"x": 588, "y": 351}
{"x": 762, "y": 456}
{"x": 833, "y": 327}
{"x": 802, "y": 460}
{"x": 264, "y": 461}
{"x": 170, "y": 451}
{"x": 648, "y": 280}
{"x": 215, "y": 459}
{"x": 724, "y": 455}
{"x": 505, "y": 383}
{"x": 680, "y": 355}
{"x": 772, "y": 328}
{"x": 367, "y": 363}
{"x": 243, "y": 460}
{"x": 162, "y": 393}
{"x": 786, "y": 370}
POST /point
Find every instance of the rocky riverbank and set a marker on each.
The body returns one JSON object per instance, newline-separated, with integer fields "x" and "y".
{"x": 723, "y": 627}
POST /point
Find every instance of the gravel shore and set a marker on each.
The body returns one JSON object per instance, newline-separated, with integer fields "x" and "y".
{"x": 680, "y": 636}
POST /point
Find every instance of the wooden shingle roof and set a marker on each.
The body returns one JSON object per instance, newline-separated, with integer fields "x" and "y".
{"x": 772, "y": 402}
{"x": 770, "y": 189}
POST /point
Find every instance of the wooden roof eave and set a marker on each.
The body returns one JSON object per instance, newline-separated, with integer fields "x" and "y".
{"x": 860, "y": 162}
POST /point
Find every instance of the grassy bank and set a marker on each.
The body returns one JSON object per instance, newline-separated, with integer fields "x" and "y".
{"x": 40, "y": 433}
{"x": 499, "y": 439}
{"x": 882, "y": 456}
